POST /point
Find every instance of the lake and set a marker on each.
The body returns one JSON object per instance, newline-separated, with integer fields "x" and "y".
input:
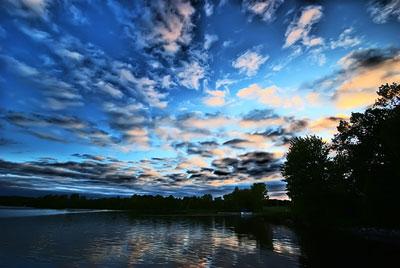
{"x": 64, "y": 238}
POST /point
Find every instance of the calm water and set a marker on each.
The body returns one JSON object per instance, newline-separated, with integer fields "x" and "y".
{"x": 118, "y": 239}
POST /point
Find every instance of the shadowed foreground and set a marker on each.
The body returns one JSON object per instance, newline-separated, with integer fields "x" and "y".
{"x": 120, "y": 239}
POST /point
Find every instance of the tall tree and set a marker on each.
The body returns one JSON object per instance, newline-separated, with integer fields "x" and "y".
{"x": 307, "y": 171}
{"x": 369, "y": 144}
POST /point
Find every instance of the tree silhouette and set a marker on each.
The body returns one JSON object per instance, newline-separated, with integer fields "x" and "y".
{"x": 306, "y": 171}
{"x": 358, "y": 174}
{"x": 369, "y": 144}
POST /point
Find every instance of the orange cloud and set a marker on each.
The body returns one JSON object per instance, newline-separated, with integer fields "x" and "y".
{"x": 215, "y": 98}
{"x": 326, "y": 124}
{"x": 272, "y": 96}
{"x": 359, "y": 87}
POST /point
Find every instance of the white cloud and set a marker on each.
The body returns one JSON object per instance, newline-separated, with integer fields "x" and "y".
{"x": 346, "y": 40}
{"x": 56, "y": 104}
{"x": 317, "y": 56}
{"x": 381, "y": 11}
{"x": 227, "y": 43}
{"x": 266, "y": 9}
{"x": 224, "y": 83}
{"x": 110, "y": 89}
{"x": 29, "y": 8}
{"x": 166, "y": 81}
{"x": 77, "y": 17}
{"x": 70, "y": 54}
{"x": 191, "y": 75}
{"x": 249, "y": 62}
{"x": 208, "y": 8}
{"x": 209, "y": 39}
{"x": 146, "y": 87}
{"x": 35, "y": 34}
{"x": 20, "y": 67}
{"x": 300, "y": 28}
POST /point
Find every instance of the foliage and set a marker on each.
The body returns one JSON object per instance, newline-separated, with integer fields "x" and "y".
{"x": 357, "y": 175}
{"x": 249, "y": 199}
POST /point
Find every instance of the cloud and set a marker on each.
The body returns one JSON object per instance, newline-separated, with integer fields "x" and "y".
{"x": 144, "y": 87}
{"x": 110, "y": 89}
{"x": 361, "y": 73}
{"x": 271, "y": 96}
{"x": 271, "y": 124}
{"x": 215, "y": 98}
{"x": 300, "y": 28}
{"x": 133, "y": 122}
{"x": 204, "y": 148}
{"x": 255, "y": 164}
{"x": 169, "y": 24}
{"x": 51, "y": 127}
{"x": 382, "y": 11}
{"x": 237, "y": 143}
{"x": 224, "y": 83}
{"x": 346, "y": 40}
{"x": 249, "y": 62}
{"x": 90, "y": 157}
{"x": 66, "y": 95}
{"x": 28, "y": 8}
{"x": 265, "y": 9}
{"x": 195, "y": 162}
{"x": 209, "y": 39}
{"x": 6, "y": 142}
{"x": 77, "y": 17}
{"x": 317, "y": 56}
{"x": 258, "y": 114}
{"x": 20, "y": 67}
{"x": 227, "y": 43}
{"x": 326, "y": 124}
{"x": 208, "y": 8}
{"x": 98, "y": 176}
{"x": 166, "y": 81}
{"x": 191, "y": 74}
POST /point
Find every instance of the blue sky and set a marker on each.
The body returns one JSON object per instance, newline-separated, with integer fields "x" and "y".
{"x": 179, "y": 97}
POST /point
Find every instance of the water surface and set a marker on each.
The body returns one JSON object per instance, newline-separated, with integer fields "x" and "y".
{"x": 119, "y": 239}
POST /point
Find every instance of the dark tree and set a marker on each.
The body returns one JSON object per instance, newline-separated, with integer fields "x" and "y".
{"x": 357, "y": 177}
{"x": 369, "y": 145}
{"x": 247, "y": 199}
{"x": 306, "y": 171}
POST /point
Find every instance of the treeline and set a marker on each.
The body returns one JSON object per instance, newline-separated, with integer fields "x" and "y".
{"x": 252, "y": 199}
{"x": 355, "y": 179}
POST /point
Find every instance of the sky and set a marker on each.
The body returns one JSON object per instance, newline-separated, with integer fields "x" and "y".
{"x": 180, "y": 97}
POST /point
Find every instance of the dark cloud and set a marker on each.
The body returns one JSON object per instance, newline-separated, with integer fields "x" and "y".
{"x": 236, "y": 143}
{"x": 257, "y": 115}
{"x": 70, "y": 173}
{"x": 5, "y": 142}
{"x": 221, "y": 172}
{"x": 350, "y": 65}
{"x": 225, "y": 162}
{"x": 369, "y": 58}
{"x": 253, "y": 164}
{"x": 296, "y": 125}
{"x": 42, "y": 126}
{"x": 272, "y": 132}
{"x": 90, "y": 157}
{"x": 200, "y": 148}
